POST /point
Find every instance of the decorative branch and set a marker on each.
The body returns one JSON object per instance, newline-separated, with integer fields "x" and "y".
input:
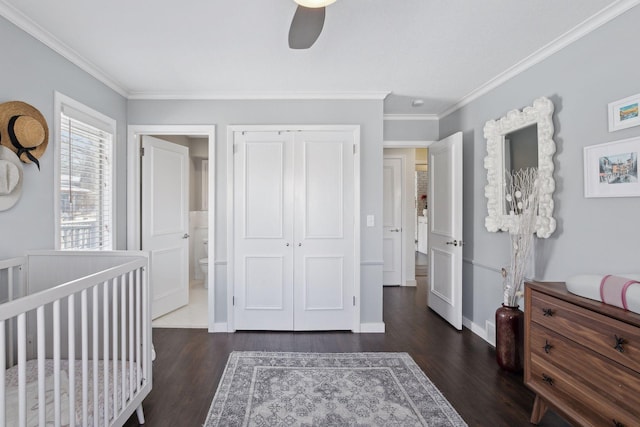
{"x": 522, "y": 194}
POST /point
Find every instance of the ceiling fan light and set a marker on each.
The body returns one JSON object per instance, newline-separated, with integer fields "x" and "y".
{"x": 314, "y": 3}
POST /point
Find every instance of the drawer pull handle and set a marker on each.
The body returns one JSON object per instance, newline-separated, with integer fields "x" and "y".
{"x": 547, "y": 347}
{"x": 547, "y": 312}
{"x": 547, "y": 379}
{"x": 619, "y": 342}
{"x": 617, "y": 423}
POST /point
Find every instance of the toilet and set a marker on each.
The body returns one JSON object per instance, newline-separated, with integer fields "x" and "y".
{"x": 204, "y": 263}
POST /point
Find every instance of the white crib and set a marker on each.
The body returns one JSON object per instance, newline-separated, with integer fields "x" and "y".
{"x": 75, "y": 337}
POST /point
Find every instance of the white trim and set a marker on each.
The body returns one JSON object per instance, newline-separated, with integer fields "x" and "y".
{"x": 59, "y": 100}
{"x": 134, "y": 196}
{"x": 476, "y": 329}
{"x": 218, "y": 327}
{"x": 481, "y": 265}
{"x": 371, "y": 262}
{"x": 582, "y": 29}
{"x": 221, "y": 262}
{"x": 411, "y": 117}
{"x": 32, "y": 28}
{"x": 372, "y": 328}
{"x": 283, "y": 95}
{"x": 411, "y": 283}
{"x": 355, "y": 129}
{"x": 406, "y": 144}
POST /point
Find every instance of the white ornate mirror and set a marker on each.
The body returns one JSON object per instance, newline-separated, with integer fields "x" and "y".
{"x": 520, "y": 139}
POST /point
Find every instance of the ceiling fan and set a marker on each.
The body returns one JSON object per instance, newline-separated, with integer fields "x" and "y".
{"x": 307, "y": 23}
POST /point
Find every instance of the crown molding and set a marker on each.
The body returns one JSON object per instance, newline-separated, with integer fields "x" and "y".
{"x": 26, "y": 24}
{"x": 585, "y": 27}
{"x": 253, "y": 96}
{"x": 410, "y": 117}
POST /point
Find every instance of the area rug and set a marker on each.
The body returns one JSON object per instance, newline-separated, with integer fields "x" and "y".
{"x": 327, "y": 389}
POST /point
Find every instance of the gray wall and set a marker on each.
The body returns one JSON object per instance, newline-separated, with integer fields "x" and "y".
{"x": 367, "y": 114}
{"x": 31, "y": 72}
{"x": 410, "y": 130}
{"x": 593, "y": 235}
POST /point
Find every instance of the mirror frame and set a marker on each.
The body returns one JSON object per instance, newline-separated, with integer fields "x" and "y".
{"x": 540, "y": 113}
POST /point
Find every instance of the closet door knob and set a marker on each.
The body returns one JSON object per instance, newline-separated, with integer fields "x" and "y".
{"x": 186, "y": 236}
{"x": 287, "y": 244}
{"x": 299, "y": 244}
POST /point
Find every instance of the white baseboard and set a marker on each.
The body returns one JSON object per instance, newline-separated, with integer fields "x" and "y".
{"x": 412, "y": 283}
{"x": 369, "y": 328}
{"x": 219, "y": 327}
{"x": 477, "y": 329}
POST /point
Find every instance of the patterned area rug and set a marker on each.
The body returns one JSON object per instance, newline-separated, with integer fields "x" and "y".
{"x": 327, "y": 389}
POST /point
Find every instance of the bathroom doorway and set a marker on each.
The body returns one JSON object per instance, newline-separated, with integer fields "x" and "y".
{"x": 200, "y": 140}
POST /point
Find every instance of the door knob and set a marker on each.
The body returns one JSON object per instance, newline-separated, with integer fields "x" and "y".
{"x": 454, "y": 243}
{"x": 186, "y": 236}
{"x": 395, "y": 230}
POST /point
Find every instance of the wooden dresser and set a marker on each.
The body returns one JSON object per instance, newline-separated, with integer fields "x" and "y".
{"x": 582, "y": 357}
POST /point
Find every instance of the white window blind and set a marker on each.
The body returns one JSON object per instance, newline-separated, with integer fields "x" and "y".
{"x": 86, "y": 182}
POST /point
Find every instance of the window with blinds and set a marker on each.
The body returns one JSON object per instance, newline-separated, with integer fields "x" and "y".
{"x": 86, "y": 182}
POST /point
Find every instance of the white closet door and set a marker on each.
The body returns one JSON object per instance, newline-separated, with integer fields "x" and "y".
{"x": 263, "y": 221}
{"x": 324, "y": 232}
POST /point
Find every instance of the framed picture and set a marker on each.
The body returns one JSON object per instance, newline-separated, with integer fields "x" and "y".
{"x": 624, "y": 113}
{"x": 611, "y": 169}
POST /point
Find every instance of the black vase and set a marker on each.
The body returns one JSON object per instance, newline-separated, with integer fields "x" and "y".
{"x": 510, "y": 338}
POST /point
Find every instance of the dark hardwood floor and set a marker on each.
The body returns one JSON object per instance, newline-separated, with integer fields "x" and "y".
{"x": 190, "y": 362}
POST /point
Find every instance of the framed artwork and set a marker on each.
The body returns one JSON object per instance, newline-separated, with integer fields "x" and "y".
{"x": 611, "y": 169}
{"x": 624, "y": 113}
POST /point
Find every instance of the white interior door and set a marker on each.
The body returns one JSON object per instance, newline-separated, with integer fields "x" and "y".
{"x": 445, "y": 228}
{"x": 293, "y": 245}
{"x": 165, "y": 222}
{"x": 324, "y": 232}
{"x": 392, "y": 221}
{"x": 263, "y": 230}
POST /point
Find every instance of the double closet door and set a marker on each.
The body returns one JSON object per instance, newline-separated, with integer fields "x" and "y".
{"x": 294, "y": 245}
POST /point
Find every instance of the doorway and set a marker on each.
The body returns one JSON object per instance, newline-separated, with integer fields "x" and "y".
{"x": 205, "y": 138}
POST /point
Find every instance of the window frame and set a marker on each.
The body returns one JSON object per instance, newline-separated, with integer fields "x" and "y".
{"x": 80, "y": 111}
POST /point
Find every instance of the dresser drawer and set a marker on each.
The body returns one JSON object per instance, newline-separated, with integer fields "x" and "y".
{"x": 595, "y": 331}
{"x": 582, "y": 404}
{"x": 608, "y": 380}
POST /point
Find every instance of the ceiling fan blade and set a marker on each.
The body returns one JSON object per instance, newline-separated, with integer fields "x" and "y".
{"x": 306, "y": 27}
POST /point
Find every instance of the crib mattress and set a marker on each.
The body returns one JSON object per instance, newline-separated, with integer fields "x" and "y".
{"x": 11, "y": 390}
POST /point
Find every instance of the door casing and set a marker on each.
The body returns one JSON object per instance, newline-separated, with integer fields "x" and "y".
{"x": 355, "y": 129}
{"x": 134, "y": 196}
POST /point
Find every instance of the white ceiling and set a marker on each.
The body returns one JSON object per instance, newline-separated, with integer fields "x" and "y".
{"x": 441, "y": 51}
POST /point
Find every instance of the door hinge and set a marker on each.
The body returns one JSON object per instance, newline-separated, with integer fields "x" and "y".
{"x": 354, "y": 149}
{"x": 233, "y": 300}
{"x": 354, "y": 300}
{"x": 235, "y": 148}
{"x": 141, "y": 151}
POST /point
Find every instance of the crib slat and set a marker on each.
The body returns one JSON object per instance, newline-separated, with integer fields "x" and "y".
{"x": 115, "y": 346}
{"x": 138, "y": 305}
{"x": 145, "y": 326}
{"x": 11, "y": 324}
{"x": 56, "y": 362}
{"x": 85, "y": 357}
{"x": 41, "y": 374}
{"x": 131, "y": 336}
{"x": 105, "y": 350}
{"x": 3, "y": 365}
{"x": 96, "y": 312}
{"x": 123, "y": 340}
{"x": 71, "y": 357}
{"x": 22, "y": 360}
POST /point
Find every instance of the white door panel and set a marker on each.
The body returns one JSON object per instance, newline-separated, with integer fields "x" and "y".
{"x": 445, "y": 229}
{"x": 392, "y": 221}
{"x": 324, "y": 234}
{"x": 263, "y": 243}
{"x": 165, "y": 222}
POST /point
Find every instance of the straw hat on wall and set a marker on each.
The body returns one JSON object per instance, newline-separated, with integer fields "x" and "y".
{"x": 23, "y": 129}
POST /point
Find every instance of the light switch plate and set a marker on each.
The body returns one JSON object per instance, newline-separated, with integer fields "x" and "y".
{"x": 370, "y": 221}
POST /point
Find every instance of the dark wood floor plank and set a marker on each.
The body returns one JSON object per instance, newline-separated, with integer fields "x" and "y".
{"x": 190, "y": 363}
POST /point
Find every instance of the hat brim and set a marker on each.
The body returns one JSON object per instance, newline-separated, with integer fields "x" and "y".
{"x": 7, "y": 202}
{"x": 19, "y": 108}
